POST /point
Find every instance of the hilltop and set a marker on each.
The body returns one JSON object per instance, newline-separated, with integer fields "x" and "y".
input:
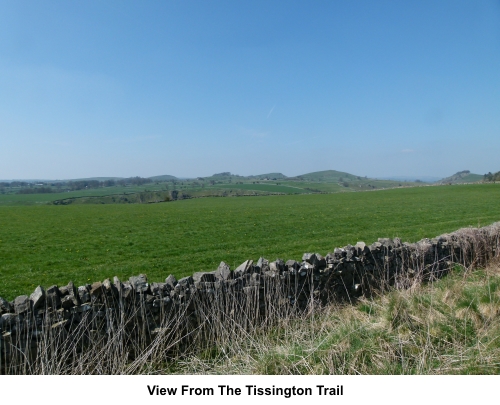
{"x": 464, "y": 176}
{"x": 164, "y": 177}
{"x": 328, "y": 176}
{"x": 268, "y": 176}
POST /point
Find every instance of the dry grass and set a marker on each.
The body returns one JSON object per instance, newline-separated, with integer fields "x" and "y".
{"x": 451, "y": 326}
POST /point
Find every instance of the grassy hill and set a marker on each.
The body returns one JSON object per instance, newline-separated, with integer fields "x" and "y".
{"x": 464, "y": 176}
{"x": 268, "y": 176}
{"x": 94, "y": 178}
{"x": 329, "y": 176}
{"x": 165, "y": 177}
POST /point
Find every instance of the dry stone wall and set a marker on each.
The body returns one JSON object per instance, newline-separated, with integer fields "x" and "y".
{"x": 195, "y": 310}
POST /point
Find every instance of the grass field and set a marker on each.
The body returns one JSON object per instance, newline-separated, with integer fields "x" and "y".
{"x": 84, "y": 243}
{"x": 270, "y": 188}
{"x": 43, "y": 199}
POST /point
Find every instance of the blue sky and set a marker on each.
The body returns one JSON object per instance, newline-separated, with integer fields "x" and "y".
{"x": 191, "y": 88}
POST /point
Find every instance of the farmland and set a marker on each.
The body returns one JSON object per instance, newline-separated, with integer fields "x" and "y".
{"x": 84, "y": 243}
{"x": 162, "y": 188}
{"x": 10, "y": 199}
{"x": 271, "y": 188}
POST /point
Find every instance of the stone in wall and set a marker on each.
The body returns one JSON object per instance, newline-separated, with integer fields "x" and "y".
{"x": 223, "y": 272}
{"x": 5, "y": 306}
{"x": 38, "y": 298}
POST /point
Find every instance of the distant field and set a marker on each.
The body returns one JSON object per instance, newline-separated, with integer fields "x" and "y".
{"x": 270, "y": 188}
{"x": 38, "y": 199}
{"x": 348, "y": 185}
{"x": 85, "y": 243}
{"x": 329, "y": 181}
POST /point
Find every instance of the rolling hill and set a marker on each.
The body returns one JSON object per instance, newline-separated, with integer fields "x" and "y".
{"x": 164, "y": 177}
{"x": 328, "y": 176}
{"x": 269, "y": 176}
{"x": 464, "y": 176}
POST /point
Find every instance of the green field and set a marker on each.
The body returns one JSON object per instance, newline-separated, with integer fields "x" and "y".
{"x": 43, "y": 199}
{"x": 270, "y": 188}
{"x": 84, "y": 243}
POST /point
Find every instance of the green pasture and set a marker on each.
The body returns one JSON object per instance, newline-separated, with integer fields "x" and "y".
{"x": 347, "y": 185}
{"x": 49, "y": 244}
{"x": 9, "y": 199}
{"x": 270, "y": 188}
{"x": 307, "y": 186}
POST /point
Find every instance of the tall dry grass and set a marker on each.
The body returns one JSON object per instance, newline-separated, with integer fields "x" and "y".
{"x": 450, "y": 326}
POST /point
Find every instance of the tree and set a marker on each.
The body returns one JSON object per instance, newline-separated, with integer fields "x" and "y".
{"x": 492, "y": 176}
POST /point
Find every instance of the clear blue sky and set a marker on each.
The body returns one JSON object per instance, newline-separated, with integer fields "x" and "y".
{"x": 191, "y": 88}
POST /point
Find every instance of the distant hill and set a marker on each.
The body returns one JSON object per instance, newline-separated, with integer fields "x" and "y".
{"x": 325, "y": 176}
{"x": 27, "y": 180}
{"x": 228, "y": 175}
{"x": 223, "y": 177}
{"x": 91, "y": 178}
{"x": 64, "y": 181}
{"x": 164, "y": 177}
{"x": 269, "y": 176}
{"x": 223, "y": 174}
{"x": 154, "y": 178}
{"x": 329, "y": 176}
{"x": 464, "y": 176}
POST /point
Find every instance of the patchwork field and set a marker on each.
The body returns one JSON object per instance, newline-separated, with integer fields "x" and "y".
{"x": 271, "y": 188}
{"x": 10, "y": 199}
{"x": 84, "y": 243}
{"x": 161, "y": 188}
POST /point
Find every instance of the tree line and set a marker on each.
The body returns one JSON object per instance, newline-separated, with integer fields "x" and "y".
{"x": 492, "y": 176}
{"x": 86, "y": 184}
